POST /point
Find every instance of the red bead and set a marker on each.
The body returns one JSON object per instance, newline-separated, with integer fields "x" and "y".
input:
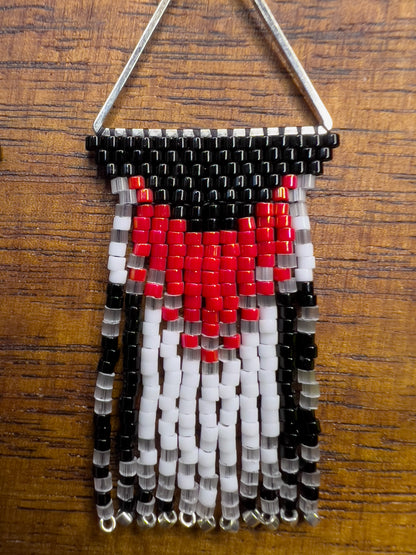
{"x": 192, "y": 302}
{"x": 193, "y": 238}
{"x": 231, "y": 303}
{"x": 175, "y": 262}
{"x": 140, "y": 236}
{"x": 157, "y": 236}
{"x": 228, "y": 263}
{"x": 136, "y": 182}
{"x": 286, "y": 234}
{"x": 211, "y": 264}
{"x": 211, "y": 238}
{"x": 250, "y": 250}
{"x": 193, "y": 289}
{"x": 177, "y": 225}
{"x": 189, "y": 341}
{"x": 160, "y": 251}
{"x": 267, "y": 221}
{"x": 264, "y": 234}
{"x": 246, "y": 224}
{"x": 264, "y": 209}
{"x": 209, "y": 278}
{"x": 145, "y": 210}
{"x": 177, "y": 250}
{"x": 144, "y": 196}
{"x": 162, "y": 211}
{"x": 284, "y": 247}
{"x": 138, "y": 274}
{"x": 214, "y": 303}
{"x": 282, "y": 274}
{"x": 211, "y": 290}
{"x": 232, "y": 342}
{"x": 290, "y": 181}
{"x": 250, "y": 314}
{"x": 281, "y": 209}
{"x": 175, "y": 288}
{"x": 227, "y": 276}
{"x": 233, "y": 249}
{"x": 266, "y": 260}
{"x": 210, "y": 330}
{"x": 228, "y": 236}
{"x": 192, "y": 276}
{"x": 160, "y": 223}
{"x": 153, "y": 290}
{"x": 212, "y": 251}
{"x": 173, "y": 275}
{"x": 157, "y": 263}
{"x": 228, "y": 316}
{"x": 283, "y": 221}
{"x": 170, "y": 314}
{"x": 210, "y": 316}
{"x": 246, "y": 263}
{"x": 195, "y": 251}
{"x": 192, "y": 315}
{"x": 228, "y": 289}
{"x": 268, "y": 247}
{"x": 209, "y": 356}
{"x": 175, "y": 238}
{"x": 141, "y": 223}
{"x": 265, "y": 287}
{"x": 247, "y": 289}
{"x": 142, "y": 249}
{"x": 280, "y": 194}
{"x": 246, "y": 237}
{"x": 193, "y": 263}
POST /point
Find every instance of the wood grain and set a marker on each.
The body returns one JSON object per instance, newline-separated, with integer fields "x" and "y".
{"x": 211, "y": 66}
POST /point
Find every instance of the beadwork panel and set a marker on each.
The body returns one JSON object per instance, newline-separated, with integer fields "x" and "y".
{"x": 58, "y": 61}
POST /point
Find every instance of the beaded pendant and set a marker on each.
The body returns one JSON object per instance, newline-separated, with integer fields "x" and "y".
{"x": 211, "y": 259}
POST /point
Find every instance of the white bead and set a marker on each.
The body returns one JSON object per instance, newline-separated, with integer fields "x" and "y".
{"x": 187, "y": 420}
{"x": 117, "y": 249}
{"x": 118, "y": 276}
{"x": 171, "y": 415}
{"x": 190, "y": 380}
{"x": 149, "y": 363}
{"x": 170, "y": 337}
{"x": 268, "y": 388}
{"x": 209, "y": 434}
{"x": 270, "y": 429}
{"x": 151, "y": 391}
{"x": 251, "y": 366}
{"x": 150, "y": 328}
{"x": 249, "y": 378}
{"x": 169, "y": 442}
{"x": 210, "y": 393}
{"x": 207, "y": 498}
{"x": 229, "y": 483}
{"x": 250, "y": 429}
{"x": 190, "y": 456}
{"x": 269, "y": 338}
{"x": 171, "y": 389}
{"x": 186, "y": 431}
{"x": 147, "y": 418}
{"x": 173, "y": 377}
{"x": 185, "y": 482}
{"x": 187, "y": 406}
{"x": 271, "y": 403}
{"x": 267, "y": 351}
{"x": 153, "y": 315}
{"x": 303, "y": 274}
{"x": 250, "y": 339}
{"x": 210, "y": 380}
{"x": 269, "y": 416}
{"x": 166, "y": 428}
{"x": 231, "y": 379}
{"x": 226, "y": 437}
{"x": 148, "y": 457}
{"x": 206, "y": 406}
{"x": 191, "y": 366}
{"x": 167, "y": 351}
{"x": 267, "y": 326}
{"x": 250, "y": 390}
{"x": 307, "y": 262}
{"x": 231, "y": 404}
{"x": 148, "y": 405}
{"x": 301, "y": 222}
{"x": 248, "y": 351}
{"x": 166, "y": 402}
{"x": 167, "y": 468}
{"x": 151, "y": 341}
{"x": 187, "y": 392}
{"x": 187, "y": 443}
{"x": 269, "y": 364}
{"x": 304, "y": 250}
{"x": 121, "y": 223}
{"x": 208, "y": 420}
{"x": 228, "y": 459}
{"x": 232, "y": 366}
{"x": 226, "y": 391}
{"x": 207, "y": 458}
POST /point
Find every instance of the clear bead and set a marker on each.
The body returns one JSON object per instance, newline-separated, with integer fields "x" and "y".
{"x": 110, "y": 330}
{"x": 289, "y": 491}
{"x": 310, "y": 454}
{"x": 112, "y": 315}
{"x": 306, "y": 326}
{"x": 227, "y": 330}
{"x": 103, "y": 407}
{"x": 310, "y": 312}
{"x": 306, "y": 376}
{"x": 248, "y": 491}
{"x": 266, "y": 300}
{"x": 248, "y": 301}
{"x": 210, "y": 368}
{"x": 145, "y": 509}
{"x": 311, "y": 479}
{"x": 308, "y": 403}
{"x": 269, "y": 507}
{"x": 156, "y": 276}
{"x": 134, "y": 287}
{"x": 311, "y": 390}
{"x": 269, "y": 442}
{"x": 103, "y": 394}
{"x": 127, "y": 468}
{"x": 167, "y": 481}
{"x": 193, "y": 328}
{"x": 204, "y": 512}
{"x": 264, "y": 273}
{"x": 286, "y": 260}
{"x": 249, "y": 326}
{"x": 303, "y": 236}
{"x": 124, "y": 210}
{"x": 271, "y": 469}
{"x": 148, "y": 483}
{"x": 119, "y": 236}
{"x": 209, "y": 483}
{"x": 125, "y": 492}
{"x": 249, "y": 478}
{"x": 291, "y": 466}
{"x": 308, "y": 506}
{"x": 101, "y": 458}
{"x": 165, "y": 494}
{"x": 229, "y": 498}
{"x": 175, "y": 325}
{"x": 128, "y": 197}
{"x": 230, "y": 513}
{"x": 105, "y": 512}
{"x": 105, "y": 381}
{"x": 227, "y": 354}
{"x": 153, "y": 304}
{"x": 190, "y": 495}
{"x": 272, "y": 482}
{"x": 173, "y": 301}
{"x": 103, "y": 485}
{"x": 136, "y": 262}
{"x": 192, "y": 354}
{"x": 209, "y": 343}
{"x": 288, "y": 286}
{"x": 251, "y": 454}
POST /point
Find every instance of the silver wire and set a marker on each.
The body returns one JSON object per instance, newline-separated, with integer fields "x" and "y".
{"x": 292, "y": 62}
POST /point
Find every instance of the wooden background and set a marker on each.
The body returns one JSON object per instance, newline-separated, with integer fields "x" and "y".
{"x": 210, "y": 67}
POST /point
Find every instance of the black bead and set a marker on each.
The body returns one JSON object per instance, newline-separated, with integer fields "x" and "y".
{"x": 247, "y": 503}
{"x": 331, "y": 140}
{"x": 91, "y": 143}
{"x": 298, "y": 167}
{"x": 264, "y": 195}
{"x": 287, "y": 363}
{"x": 102, "y": 444}
{"x": 288, "y": 415}
{"x": 105, "y": 366}
{"x": 307, "y": 300}
{"x": 287, "y": 451}
{"x": 111, "y": 171}
{"x": 247, "y": 210}
{"x": 287, "y": 312}
{"x": 288, "y": 506}
{"x": 288, "y": 402}
{"x": 290, "y": 479}
{"x": 111, "y": 355}
{"x": 308, "y": 467}
{"x": 179, "y": 197}
{"x": 305, "y": 287}
{"x": 285, "y": 375}
{"x": 179, "y": 212}
{"x": 197, "y": 197}
{"x": 309, "y": 492}
{"x": 164, "y": 506}
{"x": 109, "y": 342}
{"x": 126, "y": 404}
{"x": 286, "y": 325}
{"x": 305, "y": 363}
{"x": 309, "y": 440}
{"x": 281, "y": 168}
{"x": 133, "y": 300}
{"x": 127, "y": 480}
{"x": 126, "y": 506}
{"x": 286, "y": 299}
{"x": 102, "y": 421}
{"x": 124, "y": 441}
{"x": 308, "y": 351}
{"x": 268, "y": 494}
{"x": 126, "y": 455}
{"x": 196, "y": 225}
{"x": 100, "y": 471}
{"x": 144, "y": 496}
{"x": 287, "y": 338}
{"x": 114, "y": 302}
{"x": 102, "y": 499}
{"x": 315, "y": 167}
{"x": 305, "y": 339}
{"x": 102, "y": 157}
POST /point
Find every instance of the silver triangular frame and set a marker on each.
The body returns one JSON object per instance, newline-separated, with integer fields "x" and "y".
{"x": 292, "y": 62}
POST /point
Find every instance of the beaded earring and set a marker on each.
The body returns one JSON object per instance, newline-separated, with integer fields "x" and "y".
{"x": 219, "y": 319}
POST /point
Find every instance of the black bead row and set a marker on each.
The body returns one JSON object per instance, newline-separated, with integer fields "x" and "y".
{"x": 181, "y": 157}
{"x": 106, "y": 365}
